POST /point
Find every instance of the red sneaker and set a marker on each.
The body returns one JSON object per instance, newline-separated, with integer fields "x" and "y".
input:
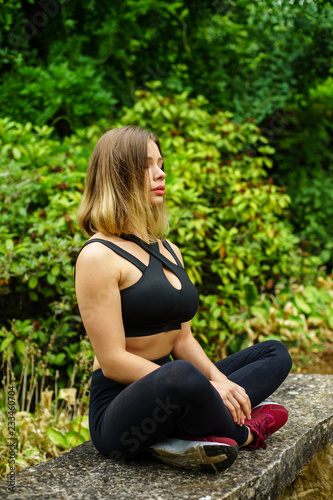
{"x": 266, "y": 418}
{"x": 210, "y": 453}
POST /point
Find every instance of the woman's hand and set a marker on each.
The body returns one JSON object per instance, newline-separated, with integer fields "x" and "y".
{"x": 234, "y": 396}
{"x": 235, "y": 399}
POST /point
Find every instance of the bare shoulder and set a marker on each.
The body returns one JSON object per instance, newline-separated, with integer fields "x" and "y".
{"x": 93, "y": 253}
{"x": 97, "y": 259}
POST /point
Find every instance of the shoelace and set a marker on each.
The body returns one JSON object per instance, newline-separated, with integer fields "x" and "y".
{"x": 260, "y": 429}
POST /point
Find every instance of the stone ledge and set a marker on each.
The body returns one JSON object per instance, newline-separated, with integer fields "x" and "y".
{"x": 257, "y": 474}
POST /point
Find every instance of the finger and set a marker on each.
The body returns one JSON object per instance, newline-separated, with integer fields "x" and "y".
{"x": 237, "y": 409}
{"x": 236, "y": 412}
{"x": 247, "y": 407}
{"x": 231, "y": 409}
{"x": 244, "y": 401}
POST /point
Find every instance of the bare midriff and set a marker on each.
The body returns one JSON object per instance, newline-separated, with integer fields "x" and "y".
{"x": 150, "y": 347}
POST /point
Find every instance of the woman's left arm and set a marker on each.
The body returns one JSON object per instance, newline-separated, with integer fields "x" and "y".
{"x": 186, "y": 347}
{"x": 233, "y": 395}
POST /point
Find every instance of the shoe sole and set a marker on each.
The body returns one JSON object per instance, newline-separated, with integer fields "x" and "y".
{"x": 203, "y": 456}
{"x": 266, "y": 402}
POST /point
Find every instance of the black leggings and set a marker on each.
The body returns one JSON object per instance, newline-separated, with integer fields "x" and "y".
{"x": 124, "y": 420}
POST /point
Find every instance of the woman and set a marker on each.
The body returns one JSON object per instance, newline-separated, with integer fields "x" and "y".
{"x": 136, "y": 302}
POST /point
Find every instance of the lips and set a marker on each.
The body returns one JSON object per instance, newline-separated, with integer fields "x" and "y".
{"x": 159, "y": 190}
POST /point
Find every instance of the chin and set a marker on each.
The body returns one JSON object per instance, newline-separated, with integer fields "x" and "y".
{"x": 157, "y": 200}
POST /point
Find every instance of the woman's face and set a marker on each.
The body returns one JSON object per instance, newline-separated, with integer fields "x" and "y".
{"x": 155, "y": 175}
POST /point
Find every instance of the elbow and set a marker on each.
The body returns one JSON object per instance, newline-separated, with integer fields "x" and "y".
{"x": 107, "y": 373}
{"x": 111, "y": 371}
{"x": 116, "y": 367}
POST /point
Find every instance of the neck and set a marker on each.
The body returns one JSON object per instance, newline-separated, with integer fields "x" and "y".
{"x": 132, "y": 230}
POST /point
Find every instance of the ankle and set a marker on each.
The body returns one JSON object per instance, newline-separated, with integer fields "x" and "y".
{"x": 250, "y": 437}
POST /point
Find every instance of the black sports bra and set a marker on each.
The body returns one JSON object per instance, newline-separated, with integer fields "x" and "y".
{"x": 153, "y": 305}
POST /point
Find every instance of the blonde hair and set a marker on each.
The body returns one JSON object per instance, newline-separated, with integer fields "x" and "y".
{"x": 115, "y": 199}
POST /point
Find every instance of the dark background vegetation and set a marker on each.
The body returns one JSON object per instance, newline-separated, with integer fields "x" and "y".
{"x": 70, "y": 63}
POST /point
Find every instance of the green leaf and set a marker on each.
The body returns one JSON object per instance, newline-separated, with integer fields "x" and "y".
{"x": 51, "y": 279}
{"x": 55, "y": 270}
{"x": 239, "y": 264}
{"x": 302, "y": 305}
{"x": 33, "y": 296}
{"x": 5, "y": 343}
{"x": 266, "y": 150}
{"x": 73, "y": 438}
{"x": 20, "y": 345}
{"x": 9, "y": 245}
{"x": 58, "y": 359}
{"x": 251, "y": 294}
{"x": 57, "y": 438}
{"x": 16, "y": 153}
{"x": 33, "y": 282}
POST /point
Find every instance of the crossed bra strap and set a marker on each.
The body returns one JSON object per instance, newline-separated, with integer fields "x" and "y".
{"x": 169, "y": 248}
{"x": 151, "y": 249}
{"x": 120, "y": 251}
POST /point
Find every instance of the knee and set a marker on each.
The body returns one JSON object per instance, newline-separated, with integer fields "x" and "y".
{"x": 178, "y": 370}
{"x": 281, "y": 355}
{"x": 183, "y": 377}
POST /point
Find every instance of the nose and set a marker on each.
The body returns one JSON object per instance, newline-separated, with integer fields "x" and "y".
{"x": 158, "y": 173}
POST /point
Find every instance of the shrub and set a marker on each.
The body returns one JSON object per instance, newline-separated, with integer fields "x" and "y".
{"x": 60, "y": 95}
{"x": 49, "y": 417}
{"x": 307, "y": 136}
{"x": 41, "y": 186}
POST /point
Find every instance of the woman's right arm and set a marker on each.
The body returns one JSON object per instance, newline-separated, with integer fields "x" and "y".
{"x": 98, "y": 274}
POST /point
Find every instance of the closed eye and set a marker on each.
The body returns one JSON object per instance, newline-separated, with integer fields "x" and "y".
{"x": 160, "y": 162}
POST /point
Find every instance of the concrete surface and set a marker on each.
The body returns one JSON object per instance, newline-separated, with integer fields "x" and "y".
{"x": 257, "y": 474}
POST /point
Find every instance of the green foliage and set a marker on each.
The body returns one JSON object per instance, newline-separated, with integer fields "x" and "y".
{"x": 50, "y": 405}
{"x": 39, "y": 352}
{"x": 307, "y": 136}
{"x": 47, "y": 421}
{"x": 299, "y": 315}
{"x": 73, "y": 95}
{"x": 69, "y": 64}
{"x": 40, "y": 192}
{"x": 42, "y": 435}
{"x": 41, "y": 184}
{"x": 249, "y": 57}
{"x": 11, "y": 22}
